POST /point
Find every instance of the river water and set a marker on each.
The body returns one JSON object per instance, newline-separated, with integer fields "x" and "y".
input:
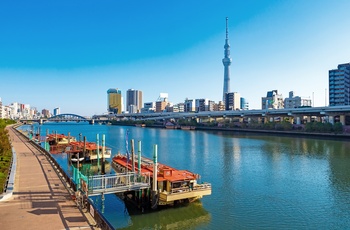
{"x": 258, "y": 181}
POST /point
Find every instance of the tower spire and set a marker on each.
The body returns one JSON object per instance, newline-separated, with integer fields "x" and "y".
{"x": 226, "y": 28}
{"x": 226, "y": 61}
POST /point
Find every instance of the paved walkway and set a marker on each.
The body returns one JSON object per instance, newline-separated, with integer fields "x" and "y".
{"x": 39, "y": 200}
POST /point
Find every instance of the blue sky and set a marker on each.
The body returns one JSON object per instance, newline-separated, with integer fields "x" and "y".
{"x": 67, "y": 54}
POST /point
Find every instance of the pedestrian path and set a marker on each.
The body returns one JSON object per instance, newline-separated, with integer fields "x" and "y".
{"x": 39, "y": 199}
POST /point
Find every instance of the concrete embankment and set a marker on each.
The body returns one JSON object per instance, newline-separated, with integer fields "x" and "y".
{"x": 276, "y": 132}
{"x": 264, "y": 131}
{"x": 39, "y": 199}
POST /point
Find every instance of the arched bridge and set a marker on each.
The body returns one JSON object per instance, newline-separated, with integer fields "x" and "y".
{"x": 67, "y": 117}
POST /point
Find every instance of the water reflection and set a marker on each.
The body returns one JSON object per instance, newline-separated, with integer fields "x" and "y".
{"x": 184, "y": 217}
{"x": 259, "y": 181}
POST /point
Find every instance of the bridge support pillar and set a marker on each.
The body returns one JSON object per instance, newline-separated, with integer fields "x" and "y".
{"x": 308, "y": 119}
{"x": 342, "y": 119}
{"x": 291, "y": 119}
{"x": 331, "y": 119}
{"x": 318, "y": 119}
{"x": 259, "y": 120}
{"x": 209, "y": 119}
{"x": 41, "y": 121}
{"x": 92, "y": 122}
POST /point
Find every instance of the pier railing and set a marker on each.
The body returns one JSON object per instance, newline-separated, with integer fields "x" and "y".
{"x": 116, "y": 183}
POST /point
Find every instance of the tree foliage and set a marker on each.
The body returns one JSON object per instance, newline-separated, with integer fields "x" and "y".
{"x": 5, "y": 152}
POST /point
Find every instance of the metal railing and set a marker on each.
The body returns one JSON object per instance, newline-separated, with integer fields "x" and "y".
{"x": 116, "y": 183}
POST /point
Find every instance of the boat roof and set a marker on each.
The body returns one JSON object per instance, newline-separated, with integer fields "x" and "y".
{"x": 57, "y": 136}
{"x": 165, "y": 172}
{"x": 88, "y": 145}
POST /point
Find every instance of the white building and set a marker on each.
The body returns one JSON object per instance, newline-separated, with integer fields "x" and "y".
{"x": 273, "y": 100}
{"x": 296, "y": 101}
{"x": 148, "y": 107}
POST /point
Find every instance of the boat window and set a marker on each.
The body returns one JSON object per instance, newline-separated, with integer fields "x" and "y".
{"x": 177, "y": 185}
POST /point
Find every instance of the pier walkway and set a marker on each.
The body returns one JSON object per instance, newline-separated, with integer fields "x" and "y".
{"x": 40, "y": 199}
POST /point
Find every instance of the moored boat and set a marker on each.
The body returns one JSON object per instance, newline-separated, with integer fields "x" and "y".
{"x": 89, "y": 150}
{"x": 173, "y": 185}
{"x": 58, "y": 142}
{"x": 59, "y": 139}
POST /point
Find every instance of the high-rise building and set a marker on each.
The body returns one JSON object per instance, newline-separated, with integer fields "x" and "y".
{"x": 133, "y": 101}
{"x": 232, "y": 101}
{"x": 45, "y": 113}
{"x": 339, "y": 85}
{"x": 244, "y": 104}
{"x": 211, "y": 105}
{"x": 226, "y": 61}
{"x": 189, "y": 105}
{"x": 202, "y": 104}
{"x": 56, "y": 111}
{"x": 161, "y": 106}
{"x": 115, "y": 101}
{"x": 273, "y": 100}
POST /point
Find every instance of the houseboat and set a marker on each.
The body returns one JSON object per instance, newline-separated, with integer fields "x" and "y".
{"x": 59, "y": 139}
{"x": 172, "y": 186}
{"x": 88, "y": 151}
{"x": 58, "y": 142}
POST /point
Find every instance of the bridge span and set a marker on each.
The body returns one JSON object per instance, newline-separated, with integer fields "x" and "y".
{"x": 64, "y": 117}
{"x": 339, "y": 112}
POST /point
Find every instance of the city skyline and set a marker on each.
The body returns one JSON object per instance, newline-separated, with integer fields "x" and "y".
{"x": 67, "y": 55}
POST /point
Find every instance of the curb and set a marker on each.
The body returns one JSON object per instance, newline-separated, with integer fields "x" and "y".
{"x": 11, "y": 182}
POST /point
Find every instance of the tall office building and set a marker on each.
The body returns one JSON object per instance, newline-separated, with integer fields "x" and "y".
{"x": 244, "y": 104}
{"x": 133, "y": 101}
{"x": 56, "y": 111}
{"x": 339, "y": 85}
{"x": 227, "y": 62}
{"x": 115, "y": 101}
{"x": 232, "y": 101}
{"x": 45, "y": 113}
{"x": 202, "y": 104}
{"x": 190, "y": 105}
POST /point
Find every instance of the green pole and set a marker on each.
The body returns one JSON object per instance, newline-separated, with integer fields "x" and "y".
{"x": 139, "y": 166}
{"x": 103, "y": 152}
{"x": 139, "y": 157}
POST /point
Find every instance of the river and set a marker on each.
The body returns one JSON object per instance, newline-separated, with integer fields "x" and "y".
{"x": 258, "y": 181}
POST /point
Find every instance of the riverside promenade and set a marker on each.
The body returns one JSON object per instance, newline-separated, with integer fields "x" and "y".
{"x": 40, "y": 199}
